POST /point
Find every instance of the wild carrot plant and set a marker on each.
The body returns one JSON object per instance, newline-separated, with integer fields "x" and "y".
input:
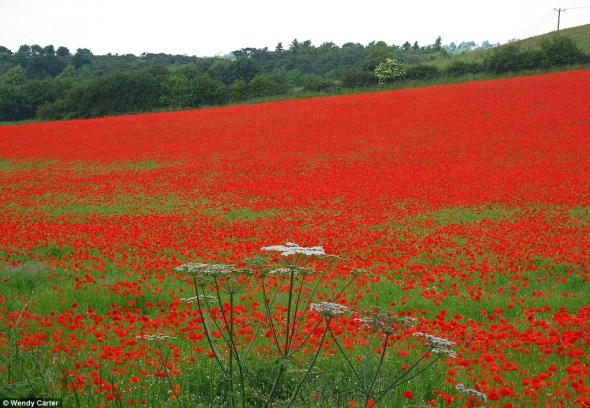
{"x": 216, "y": 289}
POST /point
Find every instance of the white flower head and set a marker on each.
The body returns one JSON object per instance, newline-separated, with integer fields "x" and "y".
{"x": 291, "y": 249}
{"x": 194, "y": 299}
{"x": 204, "y": 269}
{"x": 153, "y": 337}
{"x": 438, "y": 344}
{"x": 328, "y": 309}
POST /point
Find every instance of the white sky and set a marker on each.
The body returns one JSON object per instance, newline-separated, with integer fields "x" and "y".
{"x": 206, "y": 28}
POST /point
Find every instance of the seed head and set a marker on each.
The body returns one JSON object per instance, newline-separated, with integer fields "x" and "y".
{"x": 471, "y": 393}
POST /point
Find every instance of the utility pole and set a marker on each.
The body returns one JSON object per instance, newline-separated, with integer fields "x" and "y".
{"x": 559, "y": 10}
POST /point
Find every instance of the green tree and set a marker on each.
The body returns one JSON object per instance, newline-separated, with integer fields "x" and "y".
{"x": 261, "y": 86}
{"x": 377, "y": 54}
{"x": 176, "y": 92}
{"x": 63, "y": 52}
{"x": 245, "y": 69}
{"x": 14, "y": 104}
{"x": 83, "y": 56}
{"x": 14, "y": 76}
{"x": 208, "y": 91}
{"x": 238, "y": 90}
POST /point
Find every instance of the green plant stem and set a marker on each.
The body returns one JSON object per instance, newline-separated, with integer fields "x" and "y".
{"x": 366, "y": 367}
{"x": 275, "y": 385}
{"x": 344, "y": 355}
{"x": 269, "y": 314}
{"x": 292, "y": 268}
{"x": 221, "y": 305}
{"x": 68, "y": 380}
{"x": 305, "y": 339}
{"x": 164, "y": 362}
{"x": 262, "y": 321}
{"x": 295, "y": 318}
{"x": 397, "y": 382}
{"x": 209, "y": 338}
{"x": 368, "y": 393}
{"x": 343, "y": 289}
{"x": 234, "y": 349}
{"x": 320, "y": 277}
{"x": 219, "y": 329}
{"x": 312, "y": 363}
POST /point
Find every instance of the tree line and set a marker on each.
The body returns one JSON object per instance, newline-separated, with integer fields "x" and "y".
{"x": 48, "y": 83}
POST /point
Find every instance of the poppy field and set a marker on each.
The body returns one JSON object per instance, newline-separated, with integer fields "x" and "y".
{"x": 465, "y": 208}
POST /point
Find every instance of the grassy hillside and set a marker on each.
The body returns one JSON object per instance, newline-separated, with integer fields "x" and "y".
{"x": 580, "y": 34}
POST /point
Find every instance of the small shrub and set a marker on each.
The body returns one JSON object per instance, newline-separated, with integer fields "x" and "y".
{"x": 460, "y": 68}
{"x": 422, "y": 72}
{"x": 358, "y": 79}
{"x": 316, "y": 83}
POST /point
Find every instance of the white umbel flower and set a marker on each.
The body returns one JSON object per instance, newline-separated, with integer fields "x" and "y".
{"x": 291, "y": 249}
{"x": 206, "y": 269}
{"x": 438, "y": 344}
{"x": 153, "y": 337}
{"x": 328, "y": 309}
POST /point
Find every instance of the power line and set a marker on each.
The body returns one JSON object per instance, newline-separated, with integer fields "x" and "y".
{"x": 541, "y": 22}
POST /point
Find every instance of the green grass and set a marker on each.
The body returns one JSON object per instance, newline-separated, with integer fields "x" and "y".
{"x": 11, "y": 165}
{"x": 247, "y": 214}
{"x": 461, "y": 215}
{"x": 580, "y": 212}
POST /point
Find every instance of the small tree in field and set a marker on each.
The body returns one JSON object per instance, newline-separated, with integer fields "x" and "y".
{"x": 389, "y": 70}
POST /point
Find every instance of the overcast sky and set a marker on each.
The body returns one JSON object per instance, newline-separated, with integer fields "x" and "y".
{"x": 207, "y": 28}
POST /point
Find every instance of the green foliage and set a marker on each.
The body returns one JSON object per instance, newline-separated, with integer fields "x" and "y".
{"x": 208, "y": 91}
{"x": 238, "y": 90}
{"x": 83, "y": 56}
{"x": 377, "y": 54}
{"x": 510, "y": 59}
{"x": 245, "y": 69}
{"x": 422, "y": 72}
{"x": 561, "y": 50}
{"x": 553, "y": 51}
{"x": 14, "y": 76}
{"x": 459, "y": 68}
{"x": 357, "y": 79}
{"x": 14, "y": 104}
{"x": 262, "y": 85}
{"x": 176, "y": 92}
{"x": 316, "y": 83}
{"x": 108, "y": 95}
